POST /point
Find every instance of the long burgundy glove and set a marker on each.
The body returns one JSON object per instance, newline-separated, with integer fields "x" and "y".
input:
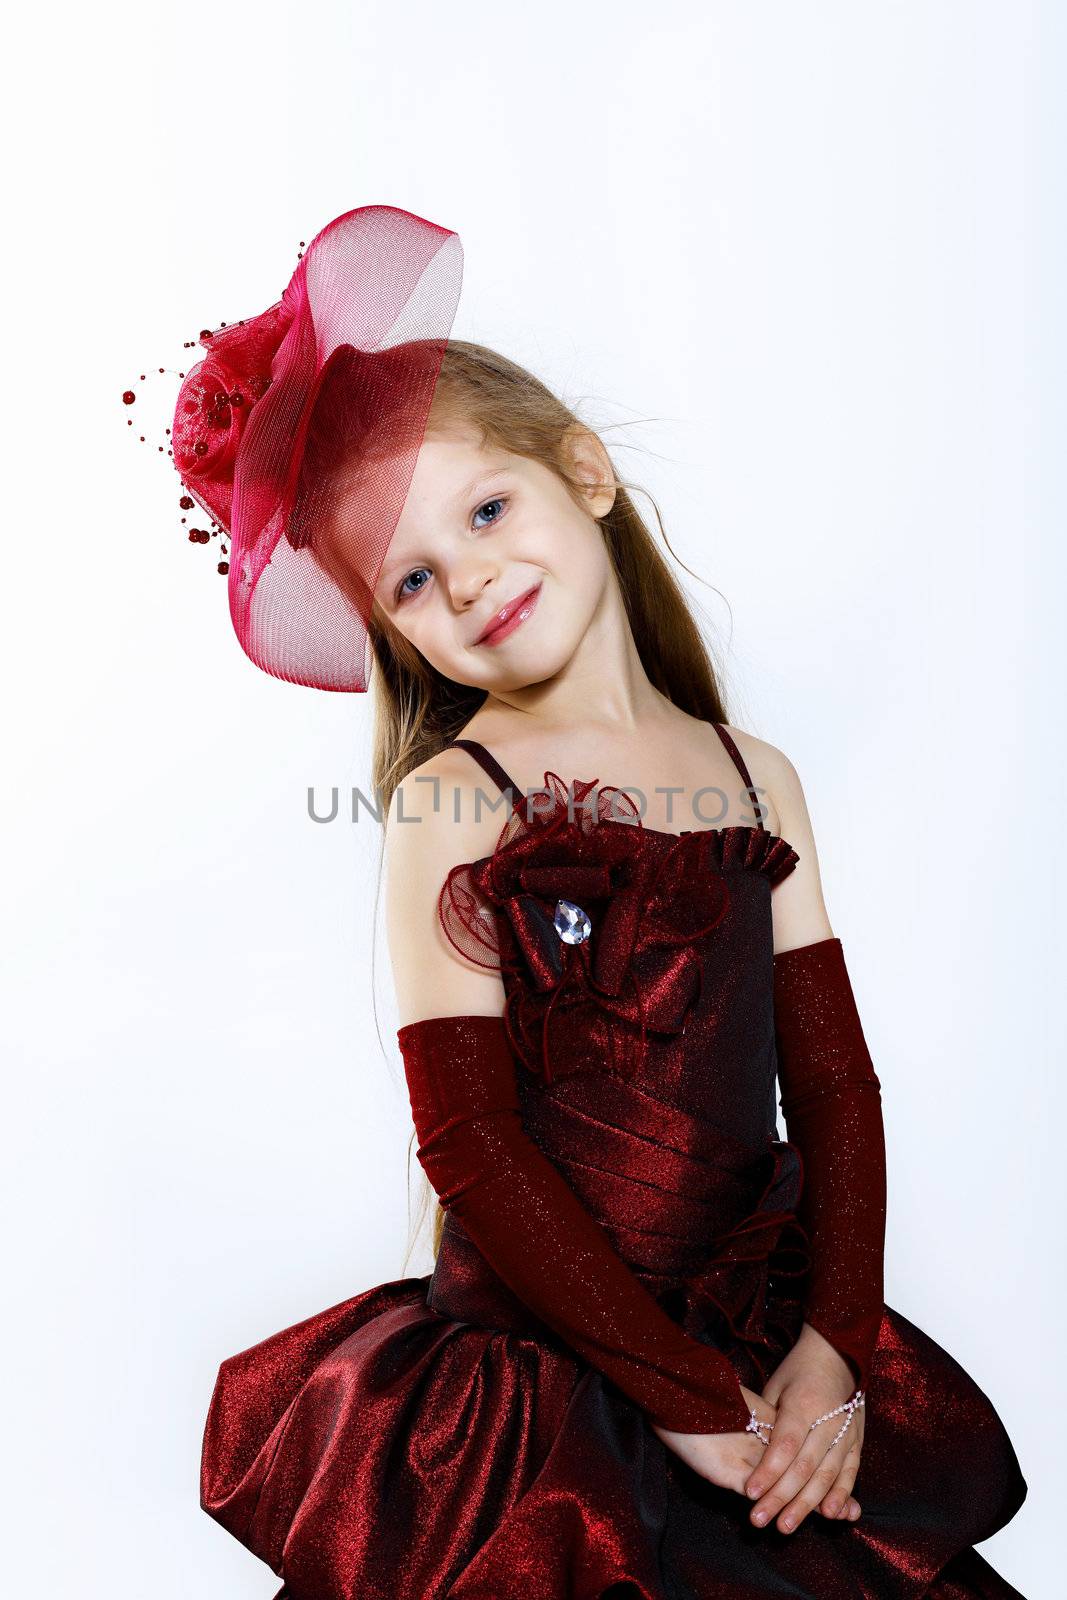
{"x": 539, "y": 1238}
{"x": 832, "y": 1102}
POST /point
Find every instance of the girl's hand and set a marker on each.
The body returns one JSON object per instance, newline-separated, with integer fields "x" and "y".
{"x": 726, "y": 1459}
{"x": 799, "y": 1471}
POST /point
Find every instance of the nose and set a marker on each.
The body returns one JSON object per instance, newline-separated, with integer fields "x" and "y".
{"x": 471, "y": 574}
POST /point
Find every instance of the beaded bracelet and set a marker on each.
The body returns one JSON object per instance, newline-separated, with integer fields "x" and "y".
{"x": 851, "y": 1405}
{"x": 755, "y": 1425}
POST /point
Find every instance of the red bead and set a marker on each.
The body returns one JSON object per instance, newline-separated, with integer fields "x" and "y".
{"x": 224, "y": 566}
{"x": 205, "y": 333}
{"x": 128, "y": 397}
{"x": 237, "y": 398}
{"x": 186, "y": 502}
{"x": 193, "y": 536}
{"x": 200, "y": 447}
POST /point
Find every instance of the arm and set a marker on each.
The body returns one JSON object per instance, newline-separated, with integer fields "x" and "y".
{"x": 831, "y": 1099}
{"x": 513, "y": 1202}
{"x": 536, "y": 1234}
{"x": 830, "y": 1093}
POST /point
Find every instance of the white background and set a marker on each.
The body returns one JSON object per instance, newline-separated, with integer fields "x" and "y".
{"x": 798, "y": 260}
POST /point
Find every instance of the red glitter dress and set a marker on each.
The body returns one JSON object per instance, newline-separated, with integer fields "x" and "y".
{"x": 482, "y": 1432}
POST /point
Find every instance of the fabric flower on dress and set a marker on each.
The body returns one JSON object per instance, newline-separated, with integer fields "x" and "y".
{"x": 593, "y": 929}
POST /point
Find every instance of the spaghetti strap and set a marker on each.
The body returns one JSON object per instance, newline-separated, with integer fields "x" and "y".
{"x": 739, "y": 763}
{"x": 489, "y": 762}
{"x": 492, "y": 766}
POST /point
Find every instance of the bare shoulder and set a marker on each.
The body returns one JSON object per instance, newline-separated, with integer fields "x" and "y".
{"x": 773, "y": 775}
{"x": 443, "y": 813}
{"x": 800, "y": 915}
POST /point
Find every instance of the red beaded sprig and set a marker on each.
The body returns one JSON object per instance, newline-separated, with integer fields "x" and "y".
{"x": 218, "y": 415}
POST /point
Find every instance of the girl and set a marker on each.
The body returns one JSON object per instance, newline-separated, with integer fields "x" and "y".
{"x": 653, "y": 1357}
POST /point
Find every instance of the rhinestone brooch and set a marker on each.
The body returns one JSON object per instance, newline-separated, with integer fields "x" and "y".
{"x": 571, "y": 922}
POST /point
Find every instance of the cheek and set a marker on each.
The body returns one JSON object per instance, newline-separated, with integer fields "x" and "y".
{"x": 581, "y": 566}
{"x": 572, "y": 548}
{"x": 419, "y": 628}
{"x": 431, "y": 633}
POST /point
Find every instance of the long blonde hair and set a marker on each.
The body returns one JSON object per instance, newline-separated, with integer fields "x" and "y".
{"x": 417, "y": 711}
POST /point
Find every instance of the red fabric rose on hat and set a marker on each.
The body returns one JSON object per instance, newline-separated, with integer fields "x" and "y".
{"x": 215, "y": 401}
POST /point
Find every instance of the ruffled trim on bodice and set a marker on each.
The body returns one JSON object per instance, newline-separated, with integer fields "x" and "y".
{"x": 594, "y": 913}
{"x": 752, "y": 849}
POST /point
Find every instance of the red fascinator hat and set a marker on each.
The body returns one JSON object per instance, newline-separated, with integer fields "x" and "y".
{"x": 299, "y": 431}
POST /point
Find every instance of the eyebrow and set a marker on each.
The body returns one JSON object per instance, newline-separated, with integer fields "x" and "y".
{"x": 460, "y": 499}
{"x": 483, "y": 477}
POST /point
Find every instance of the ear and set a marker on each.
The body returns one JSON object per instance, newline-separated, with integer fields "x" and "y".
{"x": 592, "y": 466}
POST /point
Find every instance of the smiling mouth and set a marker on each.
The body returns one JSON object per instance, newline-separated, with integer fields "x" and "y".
{"x": 511, "y": 617}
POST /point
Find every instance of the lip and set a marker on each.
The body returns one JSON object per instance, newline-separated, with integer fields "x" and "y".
{"x": 510, "y": 617}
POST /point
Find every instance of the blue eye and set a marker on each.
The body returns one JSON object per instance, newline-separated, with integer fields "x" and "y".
{"x": 405, "y": 594}
{"x": 496, "y": 502}
{"x": 400, "y": 591}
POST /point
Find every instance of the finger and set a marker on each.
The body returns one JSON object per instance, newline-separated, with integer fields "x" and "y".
{"x": 848, "y": 1507}
{"x": 811, "y": 1460}
{"x": 837, "y": 1500}
{"x": 812, "y": 1475}
{"x": 787, "y": 1436}
{"x": 836, "y": 1505}
{"x": 809, "y": 1447}
{"x": 797, "y": 1509}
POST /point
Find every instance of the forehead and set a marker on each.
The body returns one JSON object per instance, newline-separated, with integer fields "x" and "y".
{"x": 449, "y": 457}
{"x": 449, "y": 470}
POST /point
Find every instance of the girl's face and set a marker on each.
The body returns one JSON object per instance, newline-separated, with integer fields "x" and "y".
{"x": 482, "y": 529}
